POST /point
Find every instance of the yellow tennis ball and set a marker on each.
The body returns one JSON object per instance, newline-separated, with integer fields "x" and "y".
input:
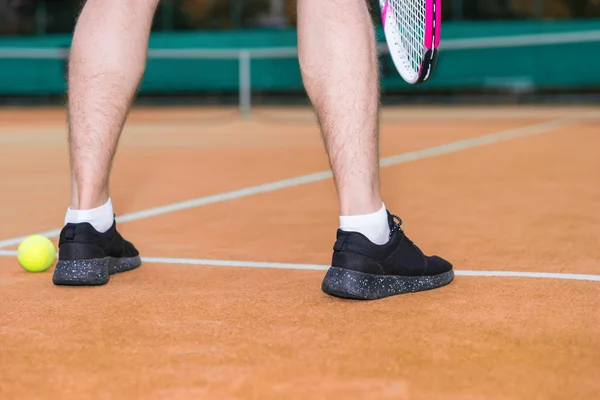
{"x": 36, "y": 253}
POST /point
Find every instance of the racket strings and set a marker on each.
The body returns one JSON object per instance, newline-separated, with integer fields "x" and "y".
{"x": 410, "y": 17}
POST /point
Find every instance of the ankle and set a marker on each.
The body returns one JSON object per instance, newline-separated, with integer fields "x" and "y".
{"x": 101, "y": 218}
{"x": 373, "y": 225}
{"x": 358, "y": 206}
{"x": 88, "y": 202}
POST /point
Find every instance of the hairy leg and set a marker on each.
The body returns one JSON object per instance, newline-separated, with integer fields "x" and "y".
{"x": 338, "y": 60}
{"x": 107, "y": 61}
{"x": 372, "y": 256}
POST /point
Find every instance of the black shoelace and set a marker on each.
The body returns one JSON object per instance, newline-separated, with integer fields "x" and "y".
{"x": 396, "y": 228}
{"x": 397, "y": 224}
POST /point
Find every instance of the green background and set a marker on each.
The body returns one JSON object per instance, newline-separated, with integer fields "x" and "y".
{"x": 572, "y": 65}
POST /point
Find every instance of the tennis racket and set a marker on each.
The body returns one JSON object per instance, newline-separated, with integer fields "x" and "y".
{"x": 412, "y": 33}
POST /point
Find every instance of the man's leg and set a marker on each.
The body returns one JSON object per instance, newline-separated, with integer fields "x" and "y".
{"x": 108, "y": 57}
{"x": 338, "y": 59}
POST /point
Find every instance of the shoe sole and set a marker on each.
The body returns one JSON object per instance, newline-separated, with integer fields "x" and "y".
{"x": 94, "y": 272}
{"x": 348, "y": 284}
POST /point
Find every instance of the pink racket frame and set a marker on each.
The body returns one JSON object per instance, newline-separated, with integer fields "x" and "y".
{"x": 433, "y": 23}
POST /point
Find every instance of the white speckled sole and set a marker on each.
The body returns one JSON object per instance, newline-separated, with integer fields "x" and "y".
{"x": 91, "y": 272}
{"x": 349, "y": 284}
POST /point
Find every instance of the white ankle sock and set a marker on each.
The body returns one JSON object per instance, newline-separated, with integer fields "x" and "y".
{"x": 101, "y": 218}
{"x": 374, "y": 226}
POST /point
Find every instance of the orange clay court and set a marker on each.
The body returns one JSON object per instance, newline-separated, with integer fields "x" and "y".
{"x": 227, "y": 304}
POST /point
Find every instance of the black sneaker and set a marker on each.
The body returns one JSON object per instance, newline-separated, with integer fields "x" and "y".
{"x": 87, "y": 257}
{"x": 363, "y": 270}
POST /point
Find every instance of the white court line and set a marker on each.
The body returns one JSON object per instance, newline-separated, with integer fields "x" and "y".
{"x": 319, "y": 267}
{"x": 323, "y": 175}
